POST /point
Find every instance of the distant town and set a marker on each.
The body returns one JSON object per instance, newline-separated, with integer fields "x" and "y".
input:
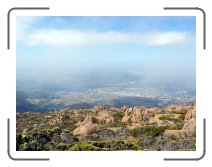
{"x": 36, "y": 99}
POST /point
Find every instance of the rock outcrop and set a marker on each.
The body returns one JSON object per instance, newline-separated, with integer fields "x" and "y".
{"x": 100, "y": 128}
{"x": 86, "y": 129}
{"x": 178, "y": 133}
{"x": 190, "y": 125}
{"x": 189, "y": 128}
{"x": 105, "y": 117}
{"x": 90, "y": 119}
{"x": 90, "y": 123}
{"x": 134, "y": 115}
{"x": 124, "y": 108}
{"x": 190, "y": 114}
{"x": 99, "y": 108}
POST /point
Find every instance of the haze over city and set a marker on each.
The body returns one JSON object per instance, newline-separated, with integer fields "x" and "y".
{"x": 78, "y": 61}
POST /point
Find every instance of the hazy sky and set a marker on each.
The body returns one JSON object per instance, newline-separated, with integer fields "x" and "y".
{"x": 60, "y": 45}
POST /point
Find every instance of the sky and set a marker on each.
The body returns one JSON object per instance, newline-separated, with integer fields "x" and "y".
{"x": 56, "y": 45}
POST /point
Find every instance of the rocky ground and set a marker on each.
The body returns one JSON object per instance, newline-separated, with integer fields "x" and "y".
{"x": 168, "y": 128}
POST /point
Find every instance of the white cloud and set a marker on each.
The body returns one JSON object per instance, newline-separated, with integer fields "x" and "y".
{"x": 24, "y": 24}
{"x": 167, "y": 38}
{"x": 64, "y": 37}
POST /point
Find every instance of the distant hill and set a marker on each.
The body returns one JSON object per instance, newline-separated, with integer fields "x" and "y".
{"x": 22, "y": 105}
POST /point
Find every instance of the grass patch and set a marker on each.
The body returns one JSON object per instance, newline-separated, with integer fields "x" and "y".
{"x": 151, "y": 131}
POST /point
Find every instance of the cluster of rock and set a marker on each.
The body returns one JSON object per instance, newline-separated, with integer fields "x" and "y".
{"x": 58, "y": 120}
{"x": 136, "y": 114}
{"x": 188, "y": 129}
{"x": 90, "y": 123}
{"x": 166, "y": 128}
{"x": 140, "y": 116}
{"x": 99, "y": 117}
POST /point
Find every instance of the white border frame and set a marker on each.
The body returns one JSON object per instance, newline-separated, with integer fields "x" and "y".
{"x": 101, "y": 10}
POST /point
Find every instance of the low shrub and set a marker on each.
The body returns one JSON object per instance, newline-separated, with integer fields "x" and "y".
{"x": 84, "y": 146}
{"x": 166, "y": 118}
{"x": 117, "y": 145}
{"x": 177, "y": 127}
{"x": 182, "y": 115}
{"x": 24, "y": 147}
{"x": 117, "y": 124}
{"x": 152, "y": 131}
{"x": 118, "y": 115}
{"x": 61, "y": 147}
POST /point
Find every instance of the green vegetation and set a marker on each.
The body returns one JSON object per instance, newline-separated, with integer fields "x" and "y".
{"x": 150, "y": 131}
{"x": 187, "y": 149}
{"x": 118, "y": 116}
{"x": 117, "y": 145}
{"x": 117, "y": 124}
{"x": 55, "y": 131}
{"x": 178, "y": 126}
{"x": 84, "y": 146}
{"x": 164, "y": 118}
{"x": 178, "y": 122}
{"x": 61, "y": 147}
{"x": 182, "y": 115}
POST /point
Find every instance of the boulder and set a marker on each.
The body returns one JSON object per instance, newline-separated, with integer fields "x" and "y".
{"x": 179, "y": 133}
{"x": 135, "y": 115}
{"x": 125, "y": 118}
{"x": 175, "y": 133}
{"x": 190, "y": 125}
{"x": 190, "y": 114}
{"x": 138, "y": 112}
{"x": 99, "y": 108}
{"x": 109, "y": 120}
{"x": 90, "y": 119}
{"x": 86, "y": 129}
{"x": 130, "y": 109}
{"x": 124, "y": 108}
{"x": 105, "y": 117}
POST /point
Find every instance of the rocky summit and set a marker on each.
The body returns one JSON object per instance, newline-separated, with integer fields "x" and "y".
{"x": 169, "y": 128}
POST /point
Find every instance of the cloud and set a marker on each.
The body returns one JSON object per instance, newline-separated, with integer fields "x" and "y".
{"x": 167, "y": 38}
{"x": 24, "y": 24}
{"x": 69, "y": 37}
